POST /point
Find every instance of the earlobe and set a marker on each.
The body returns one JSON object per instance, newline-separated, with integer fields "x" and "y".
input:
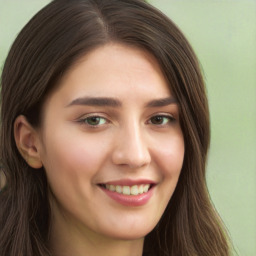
{"x": 27, "y": 142}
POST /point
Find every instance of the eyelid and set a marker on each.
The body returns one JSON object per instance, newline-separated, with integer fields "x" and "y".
{"x": 94, "y": 114}
{"x": 163, "y": 114}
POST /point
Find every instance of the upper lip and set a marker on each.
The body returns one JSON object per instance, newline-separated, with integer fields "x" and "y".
{"x": 130, "y": 182}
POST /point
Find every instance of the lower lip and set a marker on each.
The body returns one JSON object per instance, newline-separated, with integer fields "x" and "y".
{"x": 130, "y": 200}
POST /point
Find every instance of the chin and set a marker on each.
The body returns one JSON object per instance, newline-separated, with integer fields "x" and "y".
{"x": 129, "y": 236}
{"x": 129, "y": 233}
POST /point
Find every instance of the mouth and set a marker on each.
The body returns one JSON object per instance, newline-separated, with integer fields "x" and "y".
{"x": 131, "y": 193}
{"x": 133, "y": 190}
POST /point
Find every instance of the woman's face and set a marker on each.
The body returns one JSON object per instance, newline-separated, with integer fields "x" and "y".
{"x": 111, "y": 144}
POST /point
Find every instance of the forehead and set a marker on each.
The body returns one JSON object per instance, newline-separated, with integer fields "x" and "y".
{"x": 114, "y": 70}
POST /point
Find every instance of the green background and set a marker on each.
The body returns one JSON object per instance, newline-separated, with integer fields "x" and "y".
{"x": 223, "y": 34}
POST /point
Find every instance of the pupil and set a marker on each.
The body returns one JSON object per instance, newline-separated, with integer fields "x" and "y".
{"x": 94, "y": 120}
{"x": 157, "y": 120}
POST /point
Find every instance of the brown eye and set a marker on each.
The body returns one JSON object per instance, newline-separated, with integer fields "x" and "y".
{"x": 161, "y": 120}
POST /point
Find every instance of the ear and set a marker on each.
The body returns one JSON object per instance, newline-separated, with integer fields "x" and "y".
{"x": 27, "y": 142}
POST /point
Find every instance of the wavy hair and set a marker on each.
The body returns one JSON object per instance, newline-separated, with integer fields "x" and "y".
{"x": 53, "y": 40}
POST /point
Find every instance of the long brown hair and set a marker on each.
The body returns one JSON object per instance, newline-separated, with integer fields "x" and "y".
{"x": 47, "y": 46}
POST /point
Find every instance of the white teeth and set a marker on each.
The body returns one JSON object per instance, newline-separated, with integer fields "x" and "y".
{"x": 119, "y": 189}
{"x": 146, "y": 188}
{"x": 141, "y": 189}
{"x": 134, "y": 190}
{"x": 112, "y": 188}
{"x": 127, "y": 190}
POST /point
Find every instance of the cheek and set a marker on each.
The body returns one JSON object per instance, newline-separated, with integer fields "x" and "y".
{"x": 71, "y": 160}
{"x": 71, "y": 165}
{"x": 169, "y": 156}
{"x": 73, "y": 151}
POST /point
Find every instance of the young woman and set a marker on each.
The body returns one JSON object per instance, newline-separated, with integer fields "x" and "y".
{"x": 104, "y": 137}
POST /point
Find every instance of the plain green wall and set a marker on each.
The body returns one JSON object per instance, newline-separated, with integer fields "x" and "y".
{"x": 223, "y": 34}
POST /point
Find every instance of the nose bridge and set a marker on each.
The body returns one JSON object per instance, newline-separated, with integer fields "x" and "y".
{"x": 131, "y": 147}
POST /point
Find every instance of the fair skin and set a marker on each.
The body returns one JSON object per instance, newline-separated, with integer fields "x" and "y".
{"x": 112, "y": 120}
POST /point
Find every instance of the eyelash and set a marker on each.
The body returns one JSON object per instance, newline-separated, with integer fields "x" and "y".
{"x": 84, "y": 121}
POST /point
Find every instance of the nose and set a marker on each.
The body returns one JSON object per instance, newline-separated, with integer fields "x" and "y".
{"x": 131, "y": 148}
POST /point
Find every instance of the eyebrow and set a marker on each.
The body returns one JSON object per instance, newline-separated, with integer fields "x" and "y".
{"x": 162, "y": 102}
{"x": 112, "y": 102}
{"x": 96, "y": 101}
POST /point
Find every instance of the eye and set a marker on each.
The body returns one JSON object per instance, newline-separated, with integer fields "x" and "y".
{"x": 161, "y": 119}
{"x": 94, "y": 120}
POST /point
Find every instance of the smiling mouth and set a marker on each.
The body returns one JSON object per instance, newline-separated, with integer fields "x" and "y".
{"x": 128, "y": 190}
